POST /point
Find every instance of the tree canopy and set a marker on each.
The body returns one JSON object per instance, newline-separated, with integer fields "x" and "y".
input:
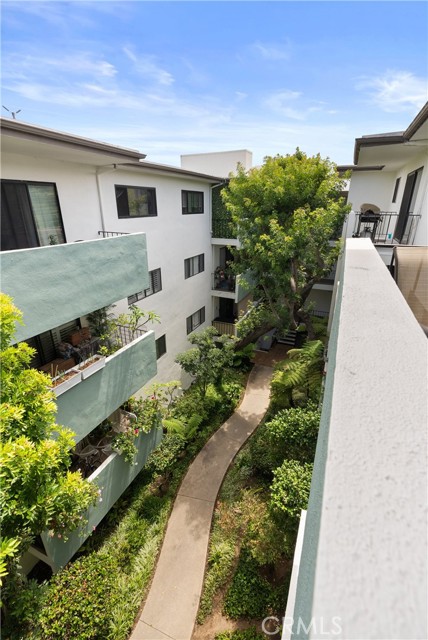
{"x": 285, "y": 214}
{"x": 37, "y": 490}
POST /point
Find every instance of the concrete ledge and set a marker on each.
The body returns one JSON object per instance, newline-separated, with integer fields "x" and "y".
{"x": 364, "y": 558}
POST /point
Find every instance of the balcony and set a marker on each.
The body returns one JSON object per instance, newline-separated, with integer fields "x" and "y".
{"x": 381, "y": 228}
{"x": 93, "y": 399}
{"x": 365, "y": 537}
{"x": 222, "y": 227}
{"x": 222, "y": 281}
{"x": 53, "y": 284}
{"x": 113, "y": 477}
{"x": 224, "y": 328}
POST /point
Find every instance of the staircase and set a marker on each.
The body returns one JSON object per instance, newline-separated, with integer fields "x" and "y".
{"x": 288, "y": 338}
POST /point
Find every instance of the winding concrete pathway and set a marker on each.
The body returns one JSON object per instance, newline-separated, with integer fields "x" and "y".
{"x": 172, "y": 603}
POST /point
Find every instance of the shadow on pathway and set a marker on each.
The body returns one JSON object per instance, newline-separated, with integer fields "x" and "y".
{"x": 172, "y": 602}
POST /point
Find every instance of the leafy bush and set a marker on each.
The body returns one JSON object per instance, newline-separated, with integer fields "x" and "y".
{"x": 290, "y": 488}
{"x": 290, "y": 434}
{"x": 162, "y": 459}
{"x": 298, "y": 378}
{"x": 80, "y": 600}
{"x": 241, "y": 634}
{"x": 249, "y": 595}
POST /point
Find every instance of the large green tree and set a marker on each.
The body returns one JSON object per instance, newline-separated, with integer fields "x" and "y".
{"x": 285, "y": 214}
{"x": 37, "y": 491}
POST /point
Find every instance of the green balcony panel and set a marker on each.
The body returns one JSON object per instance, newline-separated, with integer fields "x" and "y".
{"x": 112, "y": 477}
{"x": 86, "y": 405}
{"x": 55, "y": 284}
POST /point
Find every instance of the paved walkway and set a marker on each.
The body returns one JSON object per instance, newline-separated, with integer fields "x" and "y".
{"x": 172, "y": 603}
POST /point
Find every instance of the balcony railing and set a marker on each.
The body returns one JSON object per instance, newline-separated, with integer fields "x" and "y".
{"x": 222, "y": 227}
{"x": 225, "y": 328}
{"x": 112, "y": 234}
{"x": 382, "y": 229}
{"x": 223, "y": 282}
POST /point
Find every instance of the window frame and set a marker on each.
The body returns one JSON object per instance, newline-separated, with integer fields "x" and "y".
{"x": 192, "y": 323}
{"x": 411, "y": 188}
{"x": 185, "y": 208}
{"x": 395, "y": 193}
{"x": 189, "y": 271}
{"x": 160, "y": 350}
{"x": 150, "y": 291}
{"x": 153, "y": 203}
{"x": 36, "y": 235}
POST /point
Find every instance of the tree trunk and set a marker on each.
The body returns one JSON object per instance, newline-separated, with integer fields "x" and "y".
{"x": 253, "y": 336}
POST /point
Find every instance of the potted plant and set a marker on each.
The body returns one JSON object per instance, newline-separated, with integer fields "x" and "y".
{"x": 91, "y": 365}
{"x": 65, "y": 380}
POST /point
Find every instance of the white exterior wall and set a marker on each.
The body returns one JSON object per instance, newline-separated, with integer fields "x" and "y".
{"x": 171, "y": 236}
{"x": 377, "y": 187}
{"x": 76, "y": 187}
{"x": 218, "y": 163}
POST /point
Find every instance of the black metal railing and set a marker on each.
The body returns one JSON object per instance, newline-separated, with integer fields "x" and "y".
{"x": 223, "y": 282}
{"x": 112, "y": 234}
{"x": 222, "y": 227}
{"x": 381, "y": 229}
{"x": 123, "y": 335}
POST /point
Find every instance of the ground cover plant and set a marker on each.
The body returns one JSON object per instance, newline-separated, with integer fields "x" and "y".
{"x": 98, "y": 594}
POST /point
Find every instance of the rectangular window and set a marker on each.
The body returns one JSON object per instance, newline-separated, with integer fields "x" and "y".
{"x": 195, "y": 320}
{"x": 155, "y": 286}
{"x": 192, "y": 202}
{"x": 160, "y": 346}
{"x": 397, "y": 184}
{"x": 31, "y": 216}
{"x": 193, "y": 266}
{"x": 135, "y": 202}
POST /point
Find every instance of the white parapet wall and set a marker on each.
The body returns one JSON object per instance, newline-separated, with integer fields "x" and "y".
{"x": 363, "y": 570}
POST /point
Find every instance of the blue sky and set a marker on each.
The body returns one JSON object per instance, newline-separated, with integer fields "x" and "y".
{"x": 187, "y": 77}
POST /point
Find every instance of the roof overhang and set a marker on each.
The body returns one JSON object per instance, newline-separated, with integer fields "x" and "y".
{"x": 17, "y": 136}
{"x": 396, "y": 138}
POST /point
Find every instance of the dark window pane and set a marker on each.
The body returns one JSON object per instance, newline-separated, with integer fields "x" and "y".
{"x": 192, "y": 202}
{"x": 160, "y": 346}
{"x": 135, "y": 202}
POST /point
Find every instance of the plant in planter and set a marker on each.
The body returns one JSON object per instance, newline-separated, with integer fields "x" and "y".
{"x": 124, "y": 444}
{"x": 91, "y": 365}
{"x": 64, "y": 380}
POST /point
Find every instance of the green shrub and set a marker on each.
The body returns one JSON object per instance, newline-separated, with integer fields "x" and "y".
{"x": 241, "y": 634}
{"x": 162, "y": 459}
{"x": 249, "y": 595}
{"x": 80, "y": 599}
{"x": 290, "y": 435}
{"x": 290, "y": 489}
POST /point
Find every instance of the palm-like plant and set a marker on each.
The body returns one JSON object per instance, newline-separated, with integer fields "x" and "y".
{"x": 298, "y": 378}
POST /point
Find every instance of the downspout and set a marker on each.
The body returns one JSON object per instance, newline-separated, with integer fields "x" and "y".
{"x": 99, "y": 171}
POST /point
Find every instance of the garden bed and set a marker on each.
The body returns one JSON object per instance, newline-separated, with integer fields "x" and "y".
{"x": 98, "y": 594}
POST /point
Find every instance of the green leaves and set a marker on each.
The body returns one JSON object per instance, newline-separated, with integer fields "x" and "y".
{"x": 208, "y": 358}
{"x": 36, "y": 490}
{"x": 290, "y": 488}
{"x": 286, "y": 212}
